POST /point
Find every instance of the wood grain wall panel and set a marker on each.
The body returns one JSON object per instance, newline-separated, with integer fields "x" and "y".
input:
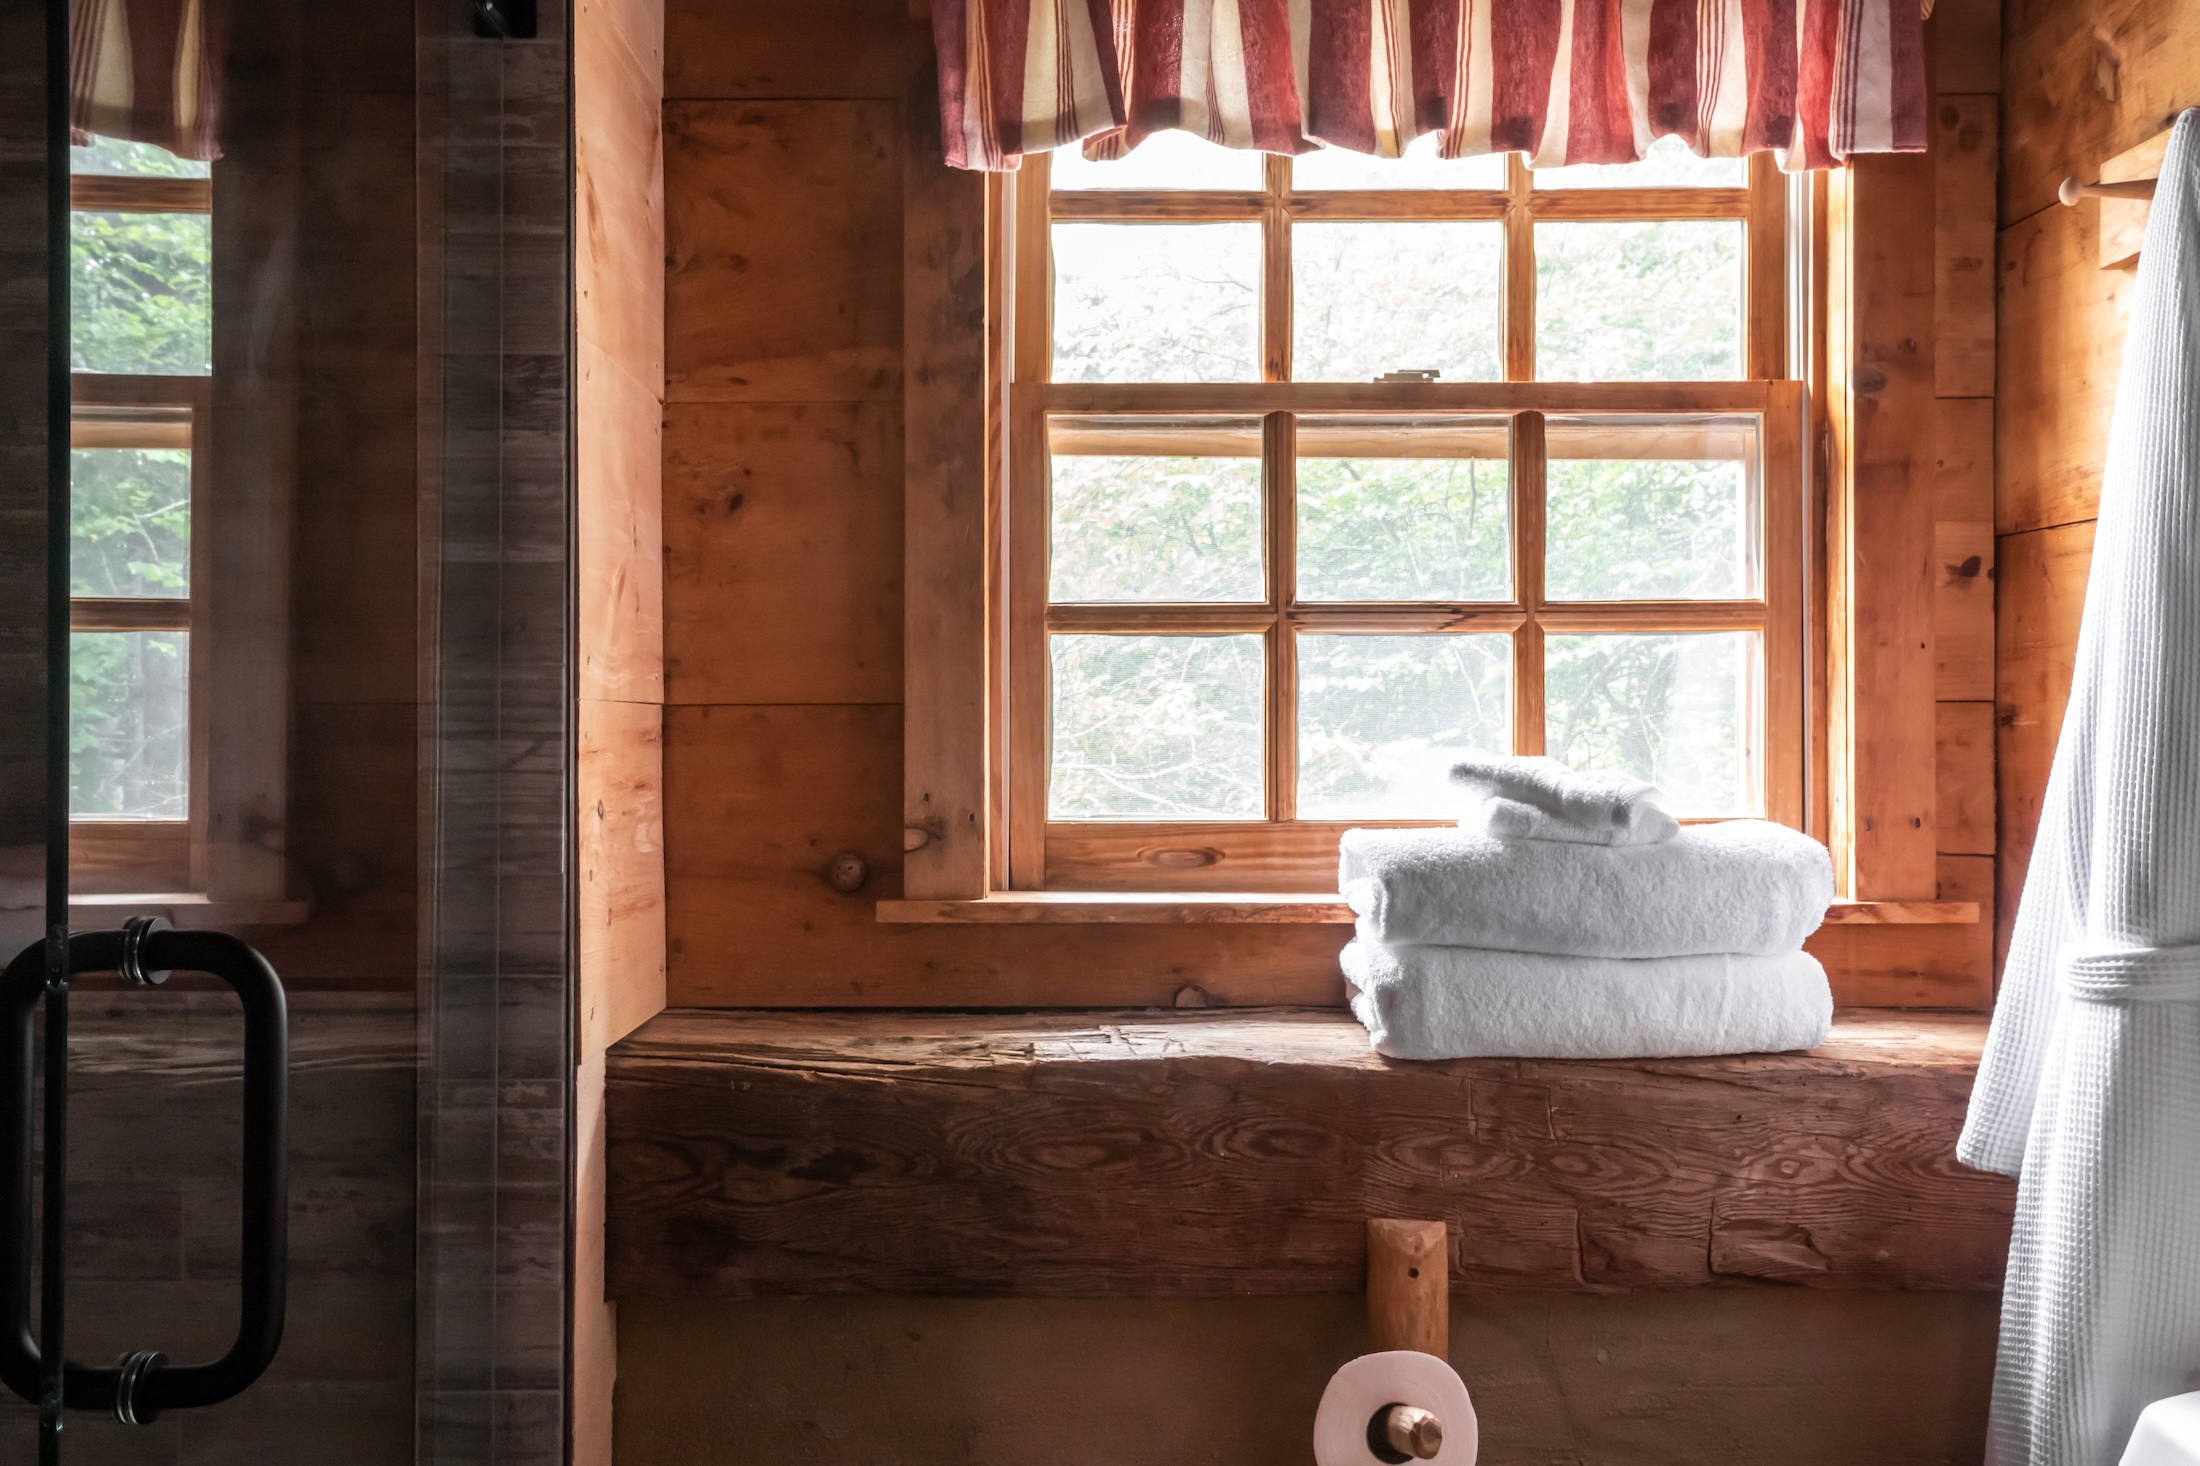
{"x": 760, "y": 798}
{"x": 2043, "y": 576}
{"x": 783, "y": 237}
{"x": 1965, "y": 877}
{"x": 2084, "y": 80}
{"x": 1965, "y": 778}
{"x": 1726, "y": 1377}
{"x": 620, "y": 862}
{"x": 1963, "y": 458}
{"x": 946, "y": 702}
{"x": 2061, "y": 350}
{"x": 619, "y": 385}
{"x": 620, "y": 533}
{"x": 635, "y": 27}
{"x": 1908, "y": 966}
{"x": 783, "y": 552}
{"x": 1964, "y": 166}
{"x": 1881, "y": 342}
{"x": 1963, "y": 611}
{"x": 1964, "y": 37}
{"x": 819, "y": 49}
{"x": 618, "y": 187}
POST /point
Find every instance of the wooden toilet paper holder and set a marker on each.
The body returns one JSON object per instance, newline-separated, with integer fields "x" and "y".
{"x": 1408, "y": 1307}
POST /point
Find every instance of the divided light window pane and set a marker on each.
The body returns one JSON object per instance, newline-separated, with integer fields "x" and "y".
{"x": 1383, "y": 718}
{"x": 1668, "y": 164}
{"x": 1404, "y": 510}
{"x": 1660, "y": 511}
{"x": 1327, "y": 168}
{"x": 1165, "y": 511}
{"x": 1374, "y": 298}
{"x": 1171, "y": 159}
{"x": 1677, "y": 709}
{"x": 130, "y": 522}
{"x": 127, "y": 741}
{"x": 1156, "y": 302}
{"x": 1653, "y": 301}
{"x": 143, "y": 295}
{"x": 1156, "y": 728}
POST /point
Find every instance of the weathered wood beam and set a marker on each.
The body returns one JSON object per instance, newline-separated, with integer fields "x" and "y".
{"x": 1232, "y": 1152}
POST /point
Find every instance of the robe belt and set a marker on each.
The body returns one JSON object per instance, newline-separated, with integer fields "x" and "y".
{"x": 2130, "y": 974}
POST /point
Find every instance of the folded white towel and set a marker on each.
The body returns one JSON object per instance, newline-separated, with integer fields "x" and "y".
{"x": 1541, "y": 799}
{"x": 1516, "y": 819}
{"x": 1741, "y": 886}
{"x": 1460, "y": 1003}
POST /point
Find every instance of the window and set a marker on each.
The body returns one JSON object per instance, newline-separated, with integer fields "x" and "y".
{"x": 142, "y": 349}
{"x": 1321, "y": 472}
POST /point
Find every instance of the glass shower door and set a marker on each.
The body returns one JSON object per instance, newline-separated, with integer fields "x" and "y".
{"x": 312, "y": 432}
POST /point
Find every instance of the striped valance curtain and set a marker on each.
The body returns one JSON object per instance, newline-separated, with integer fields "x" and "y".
{"x": 146, "y": 71}
{"x": 1563, "y": 81}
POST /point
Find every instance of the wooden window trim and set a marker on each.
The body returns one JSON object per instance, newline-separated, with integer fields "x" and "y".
{"x": 965, "y": 715}
{"x": 110, "y": 193}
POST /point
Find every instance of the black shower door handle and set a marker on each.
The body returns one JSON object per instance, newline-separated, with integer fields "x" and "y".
{"x": 144, "y": 1384}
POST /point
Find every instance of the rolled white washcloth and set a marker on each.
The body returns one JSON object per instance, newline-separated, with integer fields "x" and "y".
{"x": 1541, "y": 799}
{"x": 1743, "y": 886}
{"x": 1461, "y": 1003}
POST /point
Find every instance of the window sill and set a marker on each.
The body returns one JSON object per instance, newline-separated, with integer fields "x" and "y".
{"x": 1073, "y": 908}
{"x": 1238, "y": 1151}
{"x": 93, "y": 911}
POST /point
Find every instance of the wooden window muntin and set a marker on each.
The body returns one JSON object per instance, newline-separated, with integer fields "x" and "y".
{"x": 1280, "y": 852}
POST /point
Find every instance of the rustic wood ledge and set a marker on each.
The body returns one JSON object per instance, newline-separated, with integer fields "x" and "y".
{"x": 1046, "y": 908}
{"x": 1221, "y": 1151}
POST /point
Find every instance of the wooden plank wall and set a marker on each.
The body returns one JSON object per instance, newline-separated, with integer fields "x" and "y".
{"x": 618, "y": 98}
{"x": 1912, "y": 366}
{"x": 785, "y": 170}
{"x": 2083, "y": 81}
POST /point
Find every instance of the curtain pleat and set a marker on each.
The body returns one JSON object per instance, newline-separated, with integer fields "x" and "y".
{"x": 1563, "y": 81}
{"x": 147, "y": 71}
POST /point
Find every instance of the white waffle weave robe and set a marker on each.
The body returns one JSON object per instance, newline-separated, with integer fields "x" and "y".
{"x": 2090, "y": 1088}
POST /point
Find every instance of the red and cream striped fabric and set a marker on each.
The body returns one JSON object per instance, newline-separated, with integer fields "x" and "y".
{"x": 146, "y": 71}
{"x": 1564, "y": 81}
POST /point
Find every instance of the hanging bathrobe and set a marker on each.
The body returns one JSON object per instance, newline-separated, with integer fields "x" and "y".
{"x": 2090, "y": 1088}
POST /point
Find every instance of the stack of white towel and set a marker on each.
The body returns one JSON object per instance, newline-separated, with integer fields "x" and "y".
{"x": 1569, "y": 916}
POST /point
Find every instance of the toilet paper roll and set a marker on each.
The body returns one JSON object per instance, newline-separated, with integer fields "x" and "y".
{"x": 1401, "y": 1377}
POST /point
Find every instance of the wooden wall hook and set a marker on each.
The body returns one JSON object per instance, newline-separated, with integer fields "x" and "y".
{"x": 2131, "y": 188}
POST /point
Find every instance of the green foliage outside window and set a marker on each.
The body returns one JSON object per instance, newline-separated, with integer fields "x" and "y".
{"x": 142, "y": 297}
{"x": 127, "y": 741}
{"x": 129, "y": 522}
